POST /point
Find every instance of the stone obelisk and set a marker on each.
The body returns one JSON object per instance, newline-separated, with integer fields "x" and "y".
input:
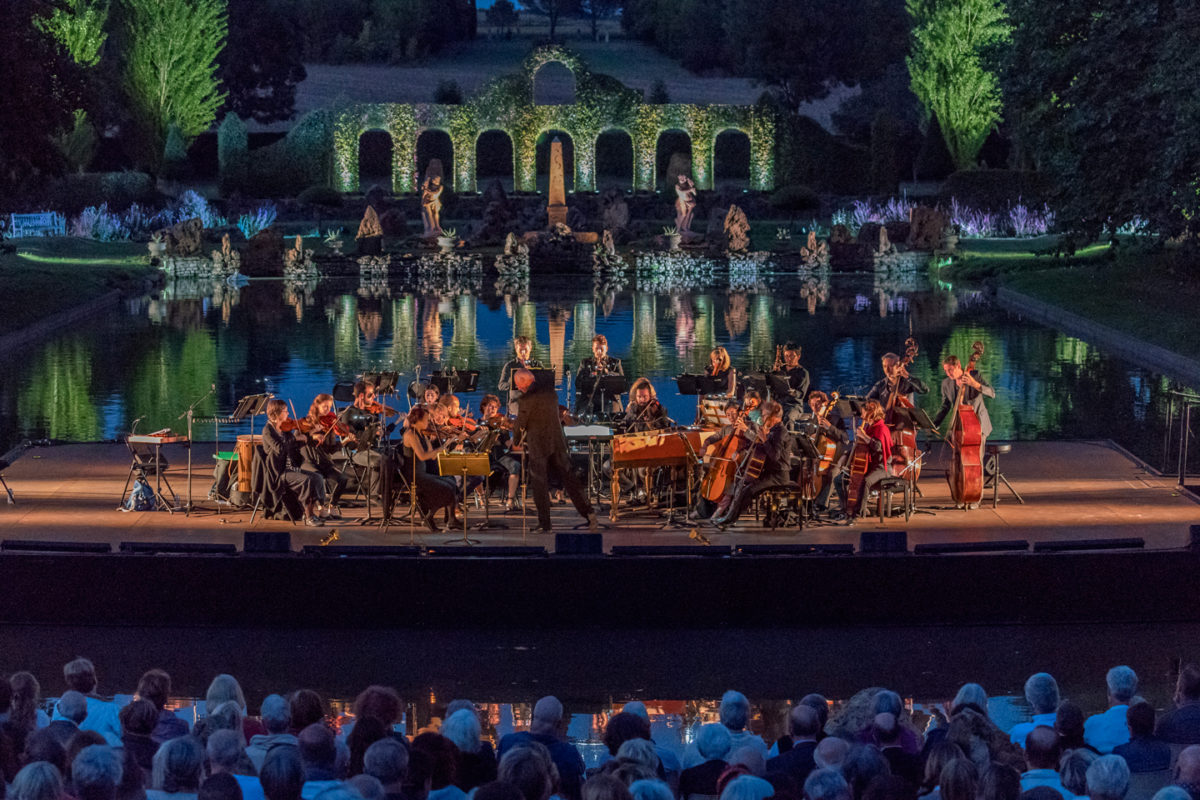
{"x": 557, "y": 207}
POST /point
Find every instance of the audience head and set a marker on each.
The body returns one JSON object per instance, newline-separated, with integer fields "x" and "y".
{"x": 734, "y": 711}
{"x": 224, "y": 750}
{"x": 597, "y": 787}
{"x": 958, "y": 780}
{"x": 1172, "y": 793}
{"x": 1187, "y": 768}
{"x": 224, "y": 689}
{"x": 547, "y": 715}
{"x": 317, "y": 747}
{"x": 386, "y": 760}
{"x": 368, "y": 787}
{"x": 38, "y": 780}
{"x": 366, "y": 731}
{"x": 1041, "y": 692}
{"x": 338, "y": 791}
{"x": 1041, "y": 793}
{"x": 499, "y": 790}
{"x": 970, "y": 695}
{"x": 155, "y": 686}
{"x": 463, "y": 729}
{"x": 1108, "y": 778}
{"x": 831, "y": 752}
{"x": 639, "y": 751}
{"x": 1187, "y": 687}
{"x": 380, "y": 702}
{"x": 80, "y": 675}
{"x": 622, "y": 727}
{"x": 887, "y": 702}
{"x": 939, "y": 756}
{"x": 863, "y": 764}
{"x": 307, "y": 707}
{"x": 826, "y": 784}
{"x": 26, "y": 696}
{"x": 82, "y": 740}
{"x": 999, "y": 782}
{"x": 222, "y": 786}
{"x": 886, "y": 729}
{"x": 819, "y": 704}
{"x": 713, "y": 741}
{"x": 177, "y": 765}
{"x": 444, "y": 757}
{"x": 1122, "y": 684}
{"x": 1072, "y": 769}
{"x": 1139, "y": 718}
{"x": 1042, "y": 747}
{"x": 276, "y": 714}
{"x": 225, "y": 717}
{"x": 133, "y": 777}
{"x": 1068, "y": 723}
{"x": 73, "y": 706}
{"x": 138, "y": 718}
{"x": 650, "y": 789}
{"x": 41, "y": 745}
{"x": 751, "y": 758}
{"x": 804, "y": 722}
{"x": 282, "y": 773}
{"x": 96, "y": 773}
{"x": 747, "y": 787}
{"x": 530, "y": 769}
{"x": 637, "y": 707}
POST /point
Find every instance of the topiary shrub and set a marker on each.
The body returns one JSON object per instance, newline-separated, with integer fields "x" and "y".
{"x": 233, "y": 145}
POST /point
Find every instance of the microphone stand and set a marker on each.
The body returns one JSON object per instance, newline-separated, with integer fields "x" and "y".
{"x": 190, "y": 414}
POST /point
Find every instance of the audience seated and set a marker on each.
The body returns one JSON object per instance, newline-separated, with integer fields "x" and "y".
{"x": 668, "y": 760}
{"x": 96, "y": 773}
{"x": 70, "y": 710}
{"x": 651, "y": 789}
{"x": 903, "y": 763}
{"x": 1042, "y": 751}
{"x": 80, "y": 675}
{"x": 155, "y": 686}
{"x": 1108, "y": 778}
{"x": 528, "y": 766}
{"x": 387, "y": 761}
{"x": 544, "y": 730}
{"x": 1041, "y": 692}
{"x": 797, "y": 761}
{"x": 597, "y": 787}
{"x": 282, "y": 773}
{"x": 826, "y": 784}
{"x": 138, "y": 723}
{"x": 831, "y": 752}
{"x": 443, "y": 756}
{"x": 734, "y": 714}
{"x": 476, "y": 763}
{"x": 276, "y": 716}
{"x": 39, "y": 780}
{"x": 1187, "y": 771}
{"x": 1182, "y": 725}
{"x": 318, "y": 754}
{"x": 1144, "y": 752}
{"x": 226, "y": 755}
{"x": 746, "y": 787}
{"x": 178, "y": 769}
{"x": 959, "y": 780}
{"x": 1072, "y": 769}
{"x": 999, "y": 782}
{"x": 221, "y": 786}
{"x": 1068, "y": 724}
{"x": 713, "y": 743}
{"x": 1106, "y": 730}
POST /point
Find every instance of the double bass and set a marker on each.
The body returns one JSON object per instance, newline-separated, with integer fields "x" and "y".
{"x": 904, "y": 434}
{"x": 966, "y": 464}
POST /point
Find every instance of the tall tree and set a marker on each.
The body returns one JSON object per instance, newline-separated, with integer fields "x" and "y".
{"x": 553, "y": 9}
{"x": 950, "y": 39}
{"x": 503, "y": 15}
{"x": 598, "y": 10}
{"x": 261, "y": 65}
{"x": 171, "y": 65}
{"x": 43, "y": 87}
{"x": 79, "y": 25}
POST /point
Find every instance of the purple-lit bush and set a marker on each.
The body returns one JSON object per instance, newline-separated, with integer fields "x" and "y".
{"x": 97, "y": 222}
{"x": 260, "y": 220}
{"x": 970, "y": 222}
{"x": 1029, "y": 221}
{"x": 896, "y": 209}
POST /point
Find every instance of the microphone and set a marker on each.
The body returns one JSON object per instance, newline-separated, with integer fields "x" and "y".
{"x": 133, "y": 427}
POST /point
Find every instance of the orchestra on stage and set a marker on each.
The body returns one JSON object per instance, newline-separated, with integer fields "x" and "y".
{"x": 764, "y": 442}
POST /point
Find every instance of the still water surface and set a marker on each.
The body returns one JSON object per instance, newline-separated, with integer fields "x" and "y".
{"x": 157, "y": 354}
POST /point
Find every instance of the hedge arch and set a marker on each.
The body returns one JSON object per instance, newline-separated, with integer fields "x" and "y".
{"x": 506, "y": 104}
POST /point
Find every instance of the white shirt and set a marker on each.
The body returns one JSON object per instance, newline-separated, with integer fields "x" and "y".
{"x": 1020, "y": 731}
{"x": 1106, "y": 731}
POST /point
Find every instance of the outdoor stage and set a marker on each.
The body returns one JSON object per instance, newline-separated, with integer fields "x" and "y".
{"x": 1072, "y": 490}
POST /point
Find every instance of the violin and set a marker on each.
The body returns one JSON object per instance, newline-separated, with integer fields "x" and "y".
{"x": 327, "y": 424}
{"x": 501, "y": 422}
{"x": 375, "y": 407}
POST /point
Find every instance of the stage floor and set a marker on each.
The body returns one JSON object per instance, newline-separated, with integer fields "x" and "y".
{"x": 1072, "y": 490}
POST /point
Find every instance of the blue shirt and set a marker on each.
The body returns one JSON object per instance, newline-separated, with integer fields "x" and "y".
{"x": 1020, "y": 731}
{"x": 1106, "y": 731}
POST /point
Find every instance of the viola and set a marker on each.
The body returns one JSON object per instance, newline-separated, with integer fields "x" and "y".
{"x": 966, "y": 438}
{"x": 501, "y": 422}
{"x": 327, "y": 424}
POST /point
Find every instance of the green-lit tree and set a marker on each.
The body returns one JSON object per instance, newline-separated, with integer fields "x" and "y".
{"x": 171, "y": 65}
{"x": 79, "y": 26}
{"x": 950, "y": 40}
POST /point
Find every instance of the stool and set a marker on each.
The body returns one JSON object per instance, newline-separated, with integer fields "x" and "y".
{"x": 992, "y": 474}
{"x": 887, "y": 488}
{"x": 779, "y": 512}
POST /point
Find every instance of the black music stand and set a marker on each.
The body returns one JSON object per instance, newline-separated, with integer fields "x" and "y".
{"x": 455, "y": 381}
{"x": 779, "y": 386}
{"x": 608, "y": 387}
{"x": 759, "y": 381}
{"x": 384, "y": 382}
{"x": 249, "y": 406}
{"x": 690, "y": 383}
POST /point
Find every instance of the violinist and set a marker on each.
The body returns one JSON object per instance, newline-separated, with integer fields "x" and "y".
{"x": 523, "y": 347}
{"x": 645, "y": 413}
{"x": 323, "y": 431}
{"x": 455, "y": 417}
{"x": 362, "y": 418}
{"x": 825, "y": 430}
{"x": 751, "y": 405}
{"x": 283, "y": 447}
{"x": 896, "y": 380}
{"x": 433, "y": 491}
{"x": 722, "y": 372}
{"x": 503, "y": 456}
{"x": 798, "y": 383}
{"x": 599, "y": 365}
{"x": 773, "y": 447}
{"x": 976, "y": 388}
{"x": 874, "y": 435}
{"x": 430, "y": 394}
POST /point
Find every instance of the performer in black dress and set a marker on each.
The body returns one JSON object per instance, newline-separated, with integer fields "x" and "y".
{"x": 722, "y": 372}
{"x": 600, "y": 364}
{"x": 433, "y": 491}
{"x": 539, "y": 429}
{"x": 283, "y": 448}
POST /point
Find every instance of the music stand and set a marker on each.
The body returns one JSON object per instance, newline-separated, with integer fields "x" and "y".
{"x": 543, "y": 378}
{"x": 690, "y": 383}
{"x": 384, "y": 382}
{"x": 249, "y": 406}
{"x": 464, "y": 464}
{"x": 759, "y": 381}
{"x": 610, "y": 387}
{"x": 848, "y": 407}
{"x": 715, "y": 417}
{"x": 779, "y": 385}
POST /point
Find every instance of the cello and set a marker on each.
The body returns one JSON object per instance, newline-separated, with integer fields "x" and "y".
{"x": 826, "y": 447}
{"x": 966, "y": 464}
{"x": 904, "y": 434}
{"x": 724, "y": 462}
{"x": 860, "y": 463}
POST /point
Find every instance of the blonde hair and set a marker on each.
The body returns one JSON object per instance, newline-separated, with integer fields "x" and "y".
{"x": 872, "y": 411}
{"x": 723, "y": 362}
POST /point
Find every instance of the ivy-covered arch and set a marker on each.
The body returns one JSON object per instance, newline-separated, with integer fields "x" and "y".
{"x": 506, "y": 104}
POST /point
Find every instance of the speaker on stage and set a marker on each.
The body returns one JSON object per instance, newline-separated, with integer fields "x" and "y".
{"x": 578, "y": 544}
{"x": 883, "y": 542}
{"x": 266, "y": 542}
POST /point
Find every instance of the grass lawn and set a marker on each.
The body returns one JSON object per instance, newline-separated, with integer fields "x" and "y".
{"x": 47, "y": 276}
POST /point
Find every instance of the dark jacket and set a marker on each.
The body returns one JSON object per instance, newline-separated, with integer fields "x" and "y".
{"x": 797, "y": 762}
{"x": 539, "y": 422}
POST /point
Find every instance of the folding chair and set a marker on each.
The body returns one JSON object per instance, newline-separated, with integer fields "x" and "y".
{"x": 145, "y": 461}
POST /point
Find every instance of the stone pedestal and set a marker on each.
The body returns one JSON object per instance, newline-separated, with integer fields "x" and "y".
{"x": 556, "y": 208}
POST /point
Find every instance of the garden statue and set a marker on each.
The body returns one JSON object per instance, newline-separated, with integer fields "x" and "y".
{"x": 556, "y": 209}
{"x": 610, "y": 247}
{"x": 685, "y": 204}
{"x": 431, "y": 206}
{"x": 737, "y": 230}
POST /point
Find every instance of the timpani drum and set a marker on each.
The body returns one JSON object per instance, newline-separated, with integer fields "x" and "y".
{"x": 245, "y": 456}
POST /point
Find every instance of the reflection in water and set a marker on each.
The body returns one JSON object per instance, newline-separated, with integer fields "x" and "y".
{"x": 300, "y": 337}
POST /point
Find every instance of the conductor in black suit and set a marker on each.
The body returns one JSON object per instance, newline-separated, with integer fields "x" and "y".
{"x": 539, "y": 426}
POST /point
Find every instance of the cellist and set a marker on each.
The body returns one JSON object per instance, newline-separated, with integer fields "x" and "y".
{"x": 826, "y": 430}
{"x": 773, "y": 446}
{"x": 872, "y": 435}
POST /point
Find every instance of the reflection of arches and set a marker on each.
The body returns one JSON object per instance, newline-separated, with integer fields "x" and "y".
{"x": 669, "y": 143}
{"x": 553, "y": 85}
{"x": 543, "y": 160}
{"x": 614, "y": 159}
{"x": 731, "y": 159}
{"x": 494, "y": 159}
{"x": 375, "y": 159}
{"x": 433, "y": 144}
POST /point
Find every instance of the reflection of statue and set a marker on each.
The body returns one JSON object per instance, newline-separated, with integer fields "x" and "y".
{"x": 685, "y": 204}
{"x": 431, "y": 205}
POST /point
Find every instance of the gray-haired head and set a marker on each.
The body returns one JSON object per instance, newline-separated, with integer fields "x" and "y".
{"x": 547, "y": 714}
{"x": 713, "y": 741}
{"x": 826, "y": 784}
{"x": 747, "y": 787}
{"x": 386, "y": 760}
{"x": 1072, "y": 770}
{"x": 39, "y": 780}
{"x": 177, "y": 765}
{"x": 462, "y": 727}
{"x": 831, "y": 752}
{"x": 223, "y": 689}
{"x": 650, "y": 789}
{"x": 1041, "y": 691}
{"x": 1122, "y": 683}
{"x": 887, "y": 702}
{"x": 804, "y": 722}
{"x": 1108, "y": 778}
{"x": 73, "y": 706}
{"x": 971, "y": 694}
{"x": 367, "y": 787}
{"x": 282, "y": 773}
{"x": 734, "y": 711}
{"x": 276, "y": 714}
{"x": 638, "y": 708}
{"x": 96, "y": 773}
{"x": 1172, "y": 793}
{"x": 1187, "y": 767}
{"x": 224, "y": 750}
{"x": 459, "y": 705}
{"x": 640, "y": 751}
